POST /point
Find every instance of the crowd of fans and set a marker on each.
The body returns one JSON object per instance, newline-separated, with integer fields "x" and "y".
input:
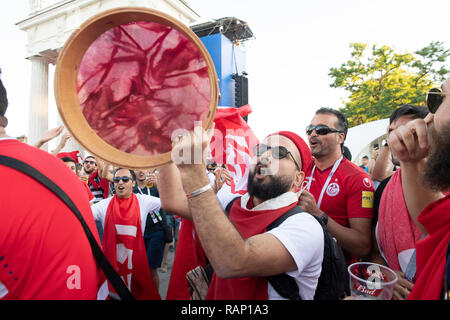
{"x": 393, "y": 210}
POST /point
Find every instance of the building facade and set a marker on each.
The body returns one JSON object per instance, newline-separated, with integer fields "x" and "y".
{"x": 48, "y": 26}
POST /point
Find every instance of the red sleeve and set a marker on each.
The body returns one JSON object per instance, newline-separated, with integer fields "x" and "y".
{"x": 88, "y": 191}
{"x": 104, "y": 184}
{"x": 360, "y": 196}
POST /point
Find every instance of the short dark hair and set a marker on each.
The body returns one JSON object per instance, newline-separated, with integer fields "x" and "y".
{"x": 346, "y": 152}
{"x": 365, "y": 157}
{"x": 342, "y": 123}
{"x": 3, "y": 105}
{"x": 133, "y": 174}
{"x": 90, "y": 157}
{"x": 3, "y": 99}
{"x": 415, "y": 112}
{"x": 68, "y": 159}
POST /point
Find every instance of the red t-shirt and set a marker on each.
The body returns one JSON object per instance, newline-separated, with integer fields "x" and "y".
{"x": 349, "y": 193}
{"x": 44, "y": 252}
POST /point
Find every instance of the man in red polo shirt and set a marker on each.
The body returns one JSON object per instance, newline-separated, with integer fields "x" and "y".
{"x": 340, "y": 193}
{"x": 44, "y": 252}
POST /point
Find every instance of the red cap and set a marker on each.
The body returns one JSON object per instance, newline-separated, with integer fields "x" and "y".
{"x": 73, "y": 155}
{"x": 303, "y": 148}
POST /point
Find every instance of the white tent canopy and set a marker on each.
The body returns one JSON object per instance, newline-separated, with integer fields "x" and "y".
{"x": 360, "y": 139}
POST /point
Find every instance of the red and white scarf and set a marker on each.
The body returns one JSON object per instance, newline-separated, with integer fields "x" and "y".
{"x": 190, "y": 253}
{"x": 397, "y": 233}
{"x": 123, "y": 245}
{"x": 104, "y": 184}
{"x": 250, "y": 221}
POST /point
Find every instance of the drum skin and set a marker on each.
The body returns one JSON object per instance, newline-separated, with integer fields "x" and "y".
{"x": 131, "y": 79}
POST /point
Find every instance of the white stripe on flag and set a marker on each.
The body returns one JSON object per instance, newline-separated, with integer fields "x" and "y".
{"x": 3, "y": 290}
{"x": 126, "y": 230}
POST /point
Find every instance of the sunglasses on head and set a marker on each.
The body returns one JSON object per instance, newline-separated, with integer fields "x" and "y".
{"x": 125, "y": 179}
{"x": 321, "y": 130}
{"x": 434, "y": 99}
{"x": 90, "y": 162}
{"x": 279, "y": 152}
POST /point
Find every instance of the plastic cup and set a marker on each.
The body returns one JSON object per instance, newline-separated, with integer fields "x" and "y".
{"x": 84, "y": 179}
{"x": 371, "y": 281}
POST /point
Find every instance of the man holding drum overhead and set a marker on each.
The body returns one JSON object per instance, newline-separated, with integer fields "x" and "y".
{"x": 238, "y": 247}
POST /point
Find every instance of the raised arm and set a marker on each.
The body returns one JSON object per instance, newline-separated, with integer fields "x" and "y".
{"x": 104, "y": 170}
{"x": 409, "y": 144}
{"x": 49, "y": 135}
{"x": 373, "y": 160}
{"x": 381, "y": 169}
{"x": 228, "y": 252}
{"x": 62, "y": 143}
{"x": 171, "y": 192}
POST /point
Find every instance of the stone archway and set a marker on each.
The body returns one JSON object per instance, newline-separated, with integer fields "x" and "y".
{"x": 49, "y": 24}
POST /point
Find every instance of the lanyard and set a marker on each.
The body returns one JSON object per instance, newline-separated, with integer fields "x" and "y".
{"x": 333, "y": 170}
{"x": 140, "y": 190}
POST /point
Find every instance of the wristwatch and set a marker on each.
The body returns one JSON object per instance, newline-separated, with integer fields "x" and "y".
{"x": 324, "y": 218}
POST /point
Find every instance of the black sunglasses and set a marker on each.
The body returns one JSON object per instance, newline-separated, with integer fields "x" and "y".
{"x": 321, "y": 130}
{"x": 434, "y": 99}
{"x": 90, "y": 162}
{"x": 125, "y": 179}
{"x": 279, "y": 152}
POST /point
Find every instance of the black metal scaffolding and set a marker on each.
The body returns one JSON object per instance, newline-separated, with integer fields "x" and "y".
{"x": 234, "y": 29}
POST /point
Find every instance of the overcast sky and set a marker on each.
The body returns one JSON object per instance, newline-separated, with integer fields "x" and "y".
{"x": 296, "y": 44}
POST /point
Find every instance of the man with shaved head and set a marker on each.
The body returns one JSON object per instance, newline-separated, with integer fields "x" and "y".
{"x": 239, "y": 247}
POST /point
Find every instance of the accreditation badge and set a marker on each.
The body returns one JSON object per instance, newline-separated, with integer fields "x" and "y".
{"x": 367, "y": 199}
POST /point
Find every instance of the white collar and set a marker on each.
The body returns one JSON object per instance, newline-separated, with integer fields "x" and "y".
{"x": 281, "y": 201}
{"x": 7, "y": 138}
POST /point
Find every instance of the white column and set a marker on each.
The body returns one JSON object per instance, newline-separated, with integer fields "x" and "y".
{"x": 73, "y": 144}
{"x": 38, "y": 113}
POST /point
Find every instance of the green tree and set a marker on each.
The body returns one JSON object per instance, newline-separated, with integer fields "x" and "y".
{"x": 380, "y": 80}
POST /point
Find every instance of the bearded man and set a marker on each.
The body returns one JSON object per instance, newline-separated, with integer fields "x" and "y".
{"x": 239, "y": 247}
{"x": 423, "y": 148}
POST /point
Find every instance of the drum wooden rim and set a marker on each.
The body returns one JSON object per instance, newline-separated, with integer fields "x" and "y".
{"x": 65, "y": 84}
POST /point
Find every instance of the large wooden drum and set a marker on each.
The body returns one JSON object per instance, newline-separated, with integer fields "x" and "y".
{"x": 129, "y": 80}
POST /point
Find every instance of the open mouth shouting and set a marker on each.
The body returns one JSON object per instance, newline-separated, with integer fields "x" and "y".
{"x": 313, "y": 142}
{"x": 261, "y": 171}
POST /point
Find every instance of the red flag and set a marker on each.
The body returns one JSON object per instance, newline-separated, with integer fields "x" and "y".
{"x": 189, "y": 255}
{"x": 233, "y": 143}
